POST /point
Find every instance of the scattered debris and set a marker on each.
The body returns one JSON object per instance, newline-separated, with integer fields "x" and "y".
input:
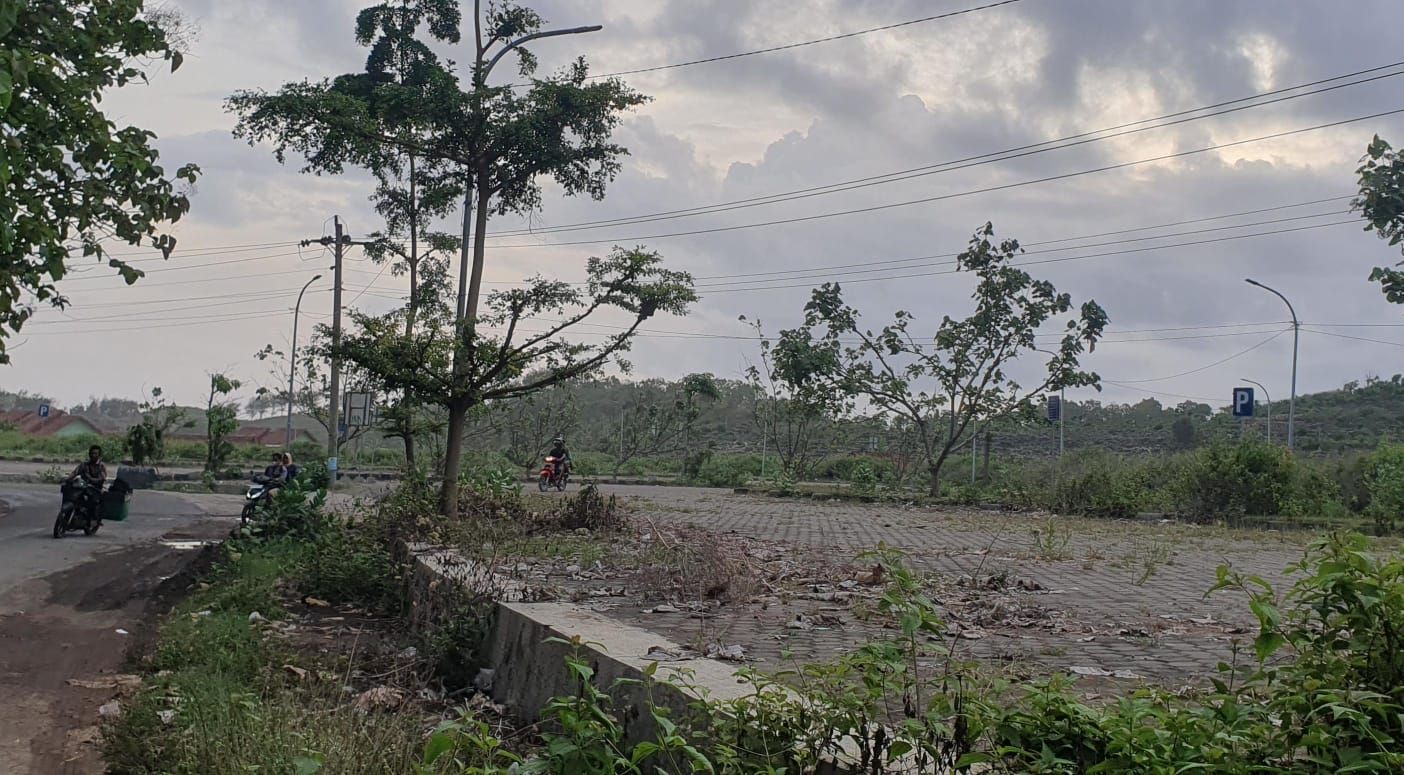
{"x": 663, "y": 609}
{"x": 733, "y": 653}
{"x": 1097, "y": 672}
{"x": 316, "y": 602}
{"x": 121, "y": 631}
{"x": 256, "y": 617}
{"x": 380, "y": 698}
{"x": 111, "y": 710}
{"x": 121, "y": 681}
{"x": 297, "y": 672}
{"x": 167, "y": 717}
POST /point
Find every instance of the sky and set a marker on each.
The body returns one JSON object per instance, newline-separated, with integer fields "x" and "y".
{"x": 1184, "y": 325}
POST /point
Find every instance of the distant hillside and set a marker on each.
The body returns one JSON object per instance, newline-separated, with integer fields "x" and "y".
{"x": 1358, "y": 416}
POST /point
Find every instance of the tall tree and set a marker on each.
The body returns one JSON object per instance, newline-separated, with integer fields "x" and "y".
{"x": 1381, "y": 202}
{"x": 658, "y": 419}
{"x": 948, "y": 387}
{"x": 501, "y": 139}
{"x": 70, "y": 179}
{"x": 221, "y": 419}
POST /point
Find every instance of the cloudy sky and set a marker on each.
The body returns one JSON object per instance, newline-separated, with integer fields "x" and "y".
{"x": 1184, "y": 322}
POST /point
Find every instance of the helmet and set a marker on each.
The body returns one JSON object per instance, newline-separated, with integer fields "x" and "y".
{"x": 558, "y": 440}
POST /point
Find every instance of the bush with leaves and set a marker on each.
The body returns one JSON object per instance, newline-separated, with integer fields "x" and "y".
{"x": 1383, "y": 480}
{"x": 1230, "y": 480}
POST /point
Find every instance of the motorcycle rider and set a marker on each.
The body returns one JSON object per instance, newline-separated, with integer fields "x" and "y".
{"x": 561, "y": 454}
{"x": 91, "y": 473}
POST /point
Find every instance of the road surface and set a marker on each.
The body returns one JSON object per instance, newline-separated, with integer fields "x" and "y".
{"x": 69, "y": 609}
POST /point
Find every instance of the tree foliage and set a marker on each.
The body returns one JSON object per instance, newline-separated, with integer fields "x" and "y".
{"x": 960, "y": 379}
{"x": 1381, "y": 203}
{"x": 497, "y": 141}
{"x": 70, "y": 178}
{"x": 221, "y": 419}
{"x": 659, "y": 419}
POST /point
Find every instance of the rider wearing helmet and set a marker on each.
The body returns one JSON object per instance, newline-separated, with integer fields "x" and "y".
{"x": 561, "y": 454}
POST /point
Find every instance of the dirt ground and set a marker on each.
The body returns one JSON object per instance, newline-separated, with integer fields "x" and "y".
{"x": 63, "y": 649}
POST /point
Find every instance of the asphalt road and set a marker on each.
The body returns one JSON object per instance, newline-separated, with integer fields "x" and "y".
{"x": 28, "y": 549}
{"x": 71, "y": 608}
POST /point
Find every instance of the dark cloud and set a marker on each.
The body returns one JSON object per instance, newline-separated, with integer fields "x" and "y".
{"x": 916, "y": 96}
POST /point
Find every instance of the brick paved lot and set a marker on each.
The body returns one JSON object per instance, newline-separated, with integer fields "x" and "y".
{"x": 1105, "y": 595}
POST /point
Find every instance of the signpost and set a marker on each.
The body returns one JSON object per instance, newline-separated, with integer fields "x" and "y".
{"x": 358, "y": 410}
{"x": 1055, "y": 414}
{"x": 43, "y": 410}
{"x": 1243, "y": 405}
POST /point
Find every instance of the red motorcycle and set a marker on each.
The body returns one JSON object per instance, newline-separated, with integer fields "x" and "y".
{"x": 553, "y": 474}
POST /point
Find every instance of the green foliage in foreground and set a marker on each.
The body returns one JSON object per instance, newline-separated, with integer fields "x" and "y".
{"x": 1319, "y": 689}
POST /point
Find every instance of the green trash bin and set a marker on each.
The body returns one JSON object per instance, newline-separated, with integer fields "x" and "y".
{"x": 115, "y": 505}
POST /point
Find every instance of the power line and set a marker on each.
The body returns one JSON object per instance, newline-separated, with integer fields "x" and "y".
{"x": 1128, "y": 251}
{"x": 789, "y": 46}
{"x": 1118, "y": 232}
{"x": 245, "y": 260}
{"x": 1081, "y": 138}
{"x": 1144, "y": 391}
{"x": 962, "y": 194}
{"x": 1236, "y": 355}
{"x": 810, "y": 272}
{"x": 1356, "y": 338}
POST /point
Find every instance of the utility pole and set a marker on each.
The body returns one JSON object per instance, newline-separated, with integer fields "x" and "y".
{"x": 338, "y": 243}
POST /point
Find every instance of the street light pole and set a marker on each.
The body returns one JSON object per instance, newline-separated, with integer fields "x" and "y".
{"x": 292, "y": 364}
{"x": 1266, "y": 395}
{"x": 1296, "y": 336}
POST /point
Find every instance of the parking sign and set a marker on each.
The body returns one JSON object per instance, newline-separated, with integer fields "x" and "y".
{"x": 43, "y": 410}
{"x": 1243, "y": 402}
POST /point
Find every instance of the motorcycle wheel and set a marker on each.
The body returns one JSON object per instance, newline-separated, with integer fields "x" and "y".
{"x": 61, "y": 524}
{"x": 91, "y": 527}
{"x": 247, "y": 514}
{"x": 544, "y": 482}
{"x": 561, "y": 484}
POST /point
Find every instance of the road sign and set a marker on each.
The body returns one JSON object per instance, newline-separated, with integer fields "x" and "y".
{"x": 1055, "y": 408}
{"x": 358, "y": 409}
{"x": 1243, "y": 402}
{"x": 43, "y": 410}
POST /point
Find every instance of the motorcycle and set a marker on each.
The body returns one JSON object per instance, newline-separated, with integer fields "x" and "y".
{"x": 85, "y": 504}
{"x": 258, "y": 494}
{"x": 553, "y": 474}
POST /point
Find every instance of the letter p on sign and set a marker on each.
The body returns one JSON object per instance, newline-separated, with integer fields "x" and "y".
{"x": 1243, "y": 402}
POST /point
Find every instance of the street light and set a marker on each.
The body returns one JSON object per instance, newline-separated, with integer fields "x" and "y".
{"x": 1260, "y": 386}
{"x": 1296, "y": 336}
{"x": 292, "y": 366}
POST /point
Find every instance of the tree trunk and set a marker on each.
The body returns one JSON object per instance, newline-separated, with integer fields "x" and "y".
{"x": 453, "y": 457}
{"x": 935, "y": 471}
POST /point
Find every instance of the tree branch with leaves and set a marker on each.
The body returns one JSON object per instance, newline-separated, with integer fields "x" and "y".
{"x": 952, "y": 385}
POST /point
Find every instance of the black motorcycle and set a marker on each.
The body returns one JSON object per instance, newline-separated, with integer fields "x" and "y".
{"x": 81, "y": 508}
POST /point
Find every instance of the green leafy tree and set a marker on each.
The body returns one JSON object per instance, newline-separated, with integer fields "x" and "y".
{"x": 221, "y": 419}
{"x": 147, "y": 439}
{"x": 1381, "y": 203}
{"x": 526, "y": 424}
{"x": 516, "y": 363}
{"x": 71, "y": 179}
{"x": 500, "y": 140}
{"x": 657, "y": 421}
{"x": 948, "y": 387}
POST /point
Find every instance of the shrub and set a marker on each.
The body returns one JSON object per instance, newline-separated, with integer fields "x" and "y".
{"x": 1230, "y": 480}
{"x": 1383, "y": 479}
{"x": 728, "y": 471}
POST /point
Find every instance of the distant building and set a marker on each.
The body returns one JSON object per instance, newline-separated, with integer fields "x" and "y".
{"x": 58, "y": 425}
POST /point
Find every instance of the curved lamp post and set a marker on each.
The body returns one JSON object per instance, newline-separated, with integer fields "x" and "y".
{"x": 292, "y": 366}
{"x": 1296, "y": 336}
{"x": 1260, "y": 386}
